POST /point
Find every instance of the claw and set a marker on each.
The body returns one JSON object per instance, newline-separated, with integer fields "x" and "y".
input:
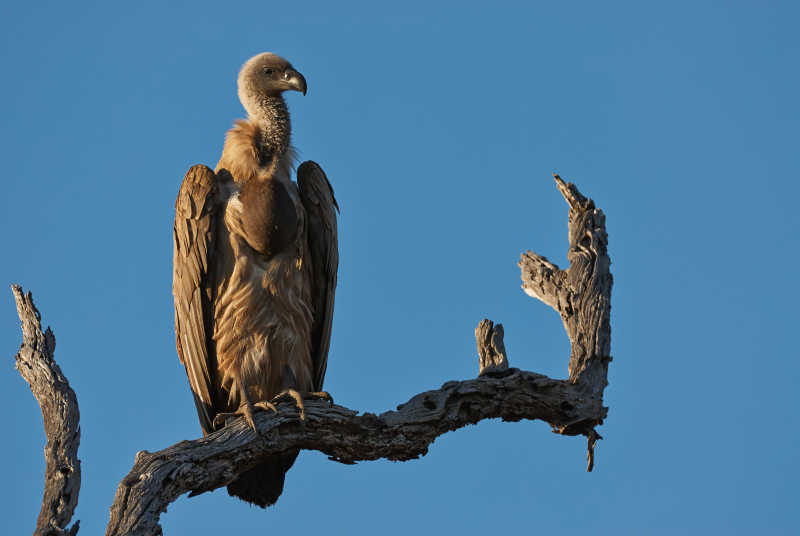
{"x": 319, "y": 395}
{"x": 248, "y": 416}
{"x": 246, "y": 410}
{"x": 219, "y": 420}
{"x": 297, "y": 397}
{"x": 265, "y": 405}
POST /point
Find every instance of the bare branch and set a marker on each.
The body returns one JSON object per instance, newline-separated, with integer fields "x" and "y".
{"x": 62, "y": 480}
{"x": 159, "y": 478}
{"x": 582, "y": 293}
{"x": 582, "y": 296}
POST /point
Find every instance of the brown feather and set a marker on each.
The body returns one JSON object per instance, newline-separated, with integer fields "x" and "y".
{"x": 240, "y": 155}
{"x": 269, "y": 217}
{"x": 317, "y": 196}
{"x": 194, "y": 234}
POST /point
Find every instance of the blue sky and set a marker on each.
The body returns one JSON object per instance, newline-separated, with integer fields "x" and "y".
{"x": 439, "y": 127}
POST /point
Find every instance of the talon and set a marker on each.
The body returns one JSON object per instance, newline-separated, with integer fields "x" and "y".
{"x": 265, "y": 405}
{"x": 221, "y": 418}
{"x": 297, "y": 397}
{"x": 248, "y": 416}
{"x": 321, "y": 395}
{"x": 298, "y": 401}
{"x": 245, "y": 410}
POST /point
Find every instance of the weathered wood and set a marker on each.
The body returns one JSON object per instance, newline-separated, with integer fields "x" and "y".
{"x": 582, "y": 293}
{"x": 491, "y": 350}
{"x": 59, "y": 405}
{"x": 159, "y": 478}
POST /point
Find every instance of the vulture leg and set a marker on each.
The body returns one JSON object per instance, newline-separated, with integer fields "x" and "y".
{"x": 222, "y": 420}
{"x": 266, "y": 406}
{"x": 297, "y": 397}
{"x": 246, "y": 410}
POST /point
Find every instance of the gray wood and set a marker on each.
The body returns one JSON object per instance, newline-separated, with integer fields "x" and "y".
{"x": 159, "y": 478}
{"x": 581, "y": 294}
{"x": 492, "y": 357}
{"x": 59, "y": 405}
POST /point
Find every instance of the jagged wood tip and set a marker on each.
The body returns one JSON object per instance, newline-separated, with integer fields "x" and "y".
{"x": 492, "y": 357}
{"x": 581, "y": 294}
{"x": 59, "y": 406}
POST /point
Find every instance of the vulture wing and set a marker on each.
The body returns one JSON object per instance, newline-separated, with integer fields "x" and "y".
{"x": 194, "y": 233}
{"x": 316, "y": 195}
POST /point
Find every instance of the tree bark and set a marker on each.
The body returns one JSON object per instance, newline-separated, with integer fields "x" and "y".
{"x": 492, "y": 357}
{"x": 59, "y": 405}
{"x": 159, "y": 478}
{"x": 581, "y": 294}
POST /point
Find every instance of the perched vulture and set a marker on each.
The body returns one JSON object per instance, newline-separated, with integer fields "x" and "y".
{"x": 254, "y": 275}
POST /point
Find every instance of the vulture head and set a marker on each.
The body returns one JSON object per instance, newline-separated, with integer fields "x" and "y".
{"x": 267, "y": 75}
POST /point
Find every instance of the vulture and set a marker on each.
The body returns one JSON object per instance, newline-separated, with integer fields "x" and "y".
{"x": 255, "y": 262}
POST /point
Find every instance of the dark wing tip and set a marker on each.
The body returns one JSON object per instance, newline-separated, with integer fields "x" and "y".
{"x": 321, "y": 209}
{"x": 309, "y": 169}
{"x": 309, "y": 166}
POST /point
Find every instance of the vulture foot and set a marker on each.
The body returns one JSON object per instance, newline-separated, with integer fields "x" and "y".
{"x": 266, "y": 406}
{"x": 297, "y": 397}
{"x": 246, "y": 410}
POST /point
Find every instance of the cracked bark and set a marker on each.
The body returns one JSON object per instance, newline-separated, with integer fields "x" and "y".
{"x": 581, "y": 294}
{"x": 62, "y": 477}
{"x": 492, "y": 357}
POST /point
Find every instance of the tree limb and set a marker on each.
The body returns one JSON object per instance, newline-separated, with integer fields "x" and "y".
{"x": 582, "y": 293}
{"x": 159, "y": 478}
{"x": 62, "y": 480}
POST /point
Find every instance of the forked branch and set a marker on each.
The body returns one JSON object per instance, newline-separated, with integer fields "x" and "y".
{"x": 59, "y": 405}
{"x": 582, "y": 293}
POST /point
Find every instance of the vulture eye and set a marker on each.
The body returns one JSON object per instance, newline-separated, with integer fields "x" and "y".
{"x": 267, "y": 70}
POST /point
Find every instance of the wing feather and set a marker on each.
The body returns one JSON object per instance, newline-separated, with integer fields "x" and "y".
{"x": 194, "y": 232}
{"x": 320, "y": 204}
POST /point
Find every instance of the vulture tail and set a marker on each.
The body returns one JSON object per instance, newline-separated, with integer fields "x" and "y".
{"x": 263, "y": 484}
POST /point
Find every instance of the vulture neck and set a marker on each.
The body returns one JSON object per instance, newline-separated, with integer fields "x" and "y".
{"x": 271, "y": 115}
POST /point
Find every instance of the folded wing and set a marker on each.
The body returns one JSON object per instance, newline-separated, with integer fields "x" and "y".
{"x": 317, "y": 197}
{"x": 195, "y": 221}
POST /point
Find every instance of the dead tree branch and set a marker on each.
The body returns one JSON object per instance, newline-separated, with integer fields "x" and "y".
{"x": 62, "y": 478}
{"x": 581, "y": 294}
{"x": 159, "y": 478}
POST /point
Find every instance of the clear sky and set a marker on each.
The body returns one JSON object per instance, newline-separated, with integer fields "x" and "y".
{"x": 439, "y": 127}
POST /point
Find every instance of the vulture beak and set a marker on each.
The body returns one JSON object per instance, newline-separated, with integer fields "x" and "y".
{"x": 295, "y": 80}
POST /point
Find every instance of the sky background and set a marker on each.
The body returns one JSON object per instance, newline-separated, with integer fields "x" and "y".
{"x": 439, "y": 127}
